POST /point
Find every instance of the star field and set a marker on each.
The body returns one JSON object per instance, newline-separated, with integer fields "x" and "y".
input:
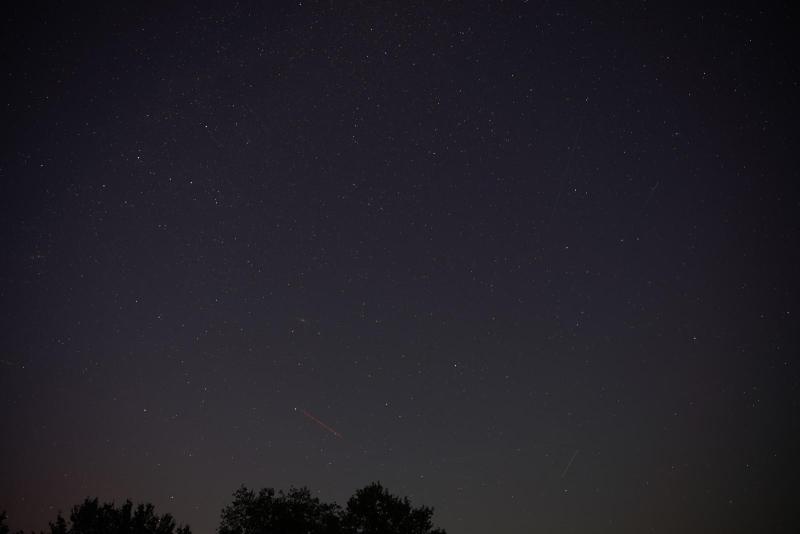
{"x": 531, "y": 264}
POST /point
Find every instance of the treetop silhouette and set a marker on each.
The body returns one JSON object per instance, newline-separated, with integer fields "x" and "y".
{"x": 90, "y": 517}
{"x": 371, "y": 510}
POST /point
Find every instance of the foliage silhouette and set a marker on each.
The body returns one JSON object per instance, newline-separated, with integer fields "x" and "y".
{"x": 372, "y": 510}
{"x": 3, "y": 527}
{"x": 266, "y": 512}
{"x": 90, "y": 517}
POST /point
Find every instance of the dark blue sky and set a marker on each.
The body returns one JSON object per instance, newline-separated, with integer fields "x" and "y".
{"x": 535, "y": 263}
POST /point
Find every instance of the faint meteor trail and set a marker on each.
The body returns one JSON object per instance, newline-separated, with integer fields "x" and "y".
{"x": 574, "y": 454}
{"x": 649, "y": 197}
{"x": 320, "y": 423}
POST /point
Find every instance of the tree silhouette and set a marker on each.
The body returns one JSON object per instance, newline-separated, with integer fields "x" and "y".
{"x": 90, "y": 517}
{"x": 373, "y": 510}
{"x": 4, "y": 528}
{"x": 267, "y": 512}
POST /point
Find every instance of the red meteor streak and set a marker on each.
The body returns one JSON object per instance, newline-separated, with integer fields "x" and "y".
{"x": 320, "y": 423}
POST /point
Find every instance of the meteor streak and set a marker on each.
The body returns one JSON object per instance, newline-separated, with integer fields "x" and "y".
{"x": 320, "y": 423}
{"x": 570, "y": 463}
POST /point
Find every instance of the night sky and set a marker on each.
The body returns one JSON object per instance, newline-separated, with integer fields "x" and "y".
{"x": 532, "y": 264}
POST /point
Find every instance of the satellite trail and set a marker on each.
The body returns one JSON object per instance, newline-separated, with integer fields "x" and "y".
{"x": 320, "y": 423}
